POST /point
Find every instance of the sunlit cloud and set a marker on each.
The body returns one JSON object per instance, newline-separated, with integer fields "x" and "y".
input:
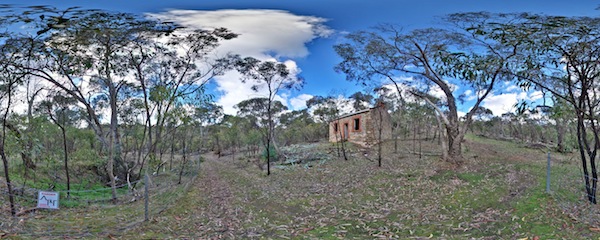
{"x": 299, "y": 102}
{"x": 505, "y": 103}
{"x": 263, "y": 34}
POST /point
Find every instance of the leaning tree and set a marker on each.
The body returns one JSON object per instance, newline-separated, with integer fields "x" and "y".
{"x": 428, "y": 61}
{"x": 560, "y": 55}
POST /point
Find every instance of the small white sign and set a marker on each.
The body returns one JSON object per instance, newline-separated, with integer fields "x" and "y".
{"x": 48, "y": 200}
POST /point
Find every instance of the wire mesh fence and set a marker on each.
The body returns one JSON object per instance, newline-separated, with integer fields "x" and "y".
{"x": 82, "y": 213}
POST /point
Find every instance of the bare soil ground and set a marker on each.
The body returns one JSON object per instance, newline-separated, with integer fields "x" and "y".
{"x": 498, "y": 193}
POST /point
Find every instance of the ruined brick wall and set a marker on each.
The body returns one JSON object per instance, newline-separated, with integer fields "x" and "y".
{"x": 379, "y": 117}
{"x": 362, "y": 127}
{"x": 351, "y": 127}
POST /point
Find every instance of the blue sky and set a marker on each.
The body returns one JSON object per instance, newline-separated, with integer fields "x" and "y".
{"x": 310, "y": 51}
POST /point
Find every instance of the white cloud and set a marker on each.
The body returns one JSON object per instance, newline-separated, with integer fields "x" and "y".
{"x": 233, "y": 90}
{"x": 261, "y": 31}
{"x": 299, "y": 102}
{"x": 513, "y": 88}
{"x": 264, "y": 34}
{"x": 469, "y": 95}
{"x": 468, "y": 92}
{"x": 536, "y": 95}
{"x": 500, "y": 104}
{"x": 504, "y": 103}
{"x": 344, "y": 105}
{"x": 437, "y": 92}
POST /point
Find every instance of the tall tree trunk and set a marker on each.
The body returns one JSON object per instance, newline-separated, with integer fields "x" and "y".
{"x": 268, "y": 156}
{"x": 66, "y": 159}
{"x": 172, "y": 150}
{"x": 380, "y": 128}
{"x": 110, "y": 169}
{"x": 11, "y": 198}
{"x": 173, "y": 147}
{"x": 140, "y": 159}
{"x": 414, "y": 140}
{"x": 150, "y": 145}
{"x": 26, "y": 154}
{"x": 269, "y": 135}
{"x": 342, "y": 141}
{"x": 113, "y": 151}
{"x": 63, "y": 132}
{"x": 560, "y": 136}
{"x": 184, "y": 155}
{"x": 455, "y": 137}
{"x": 396, "y": 143}
{"x": 9, "y": 187}
{"x": 590, "y": 182}
{"x": 443, "y": 142}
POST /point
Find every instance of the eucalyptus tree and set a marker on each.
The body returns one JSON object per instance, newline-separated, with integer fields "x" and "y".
{"x": 298, "y": 126}
{"x": 562, "y": 115}
{"x": 24, "y": 127}
{"x": 327, "y": 110}
{"x": 324, "y": 109}
{"x": 57, "y": 108}
{"x": 207, "y": 112}
{"x": 88, "y": 54}
{"x": 184, "y": 120}
{"x": 481, "y": 120}
{"x": 263, "y": 112}
{"x": 174, "y": 65}
{"x": 93, "y": 56}
{"x": 397, "y": 105}
{"x": 81, "y": 52}
{"x": 33, "y": 90}
{"x": 249, "y": 135}
{"x": 273, "y": 76}
{"x": 361, "y": 101}
{"x": 232, "y": 131}
{"x": 429, "y": 60}
{"x": 561, "y": 56}
{"x": 131, "y": 117}
{"x": 255, "y": 109}
{"x": 9, "y": 80}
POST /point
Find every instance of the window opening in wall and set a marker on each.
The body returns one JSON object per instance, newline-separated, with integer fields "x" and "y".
{"x": 357, "y": 124}
{"x": 335, "y": 127}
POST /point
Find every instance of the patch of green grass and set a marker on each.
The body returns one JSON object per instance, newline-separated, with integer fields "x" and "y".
{"x": 326, "y": 232}
{"x": 498, "y": 144}
{"x": 472, "y": 178}
{"x": 443, "y": 176}
{"x": 534, "y": 214}
{"x": 469, "y": 177}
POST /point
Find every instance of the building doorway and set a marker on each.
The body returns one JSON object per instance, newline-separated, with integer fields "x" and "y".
{"x": 345, "y": 131}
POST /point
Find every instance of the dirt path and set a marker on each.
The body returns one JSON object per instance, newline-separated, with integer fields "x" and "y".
{"x": 219, "y": 212}
{"x": 209, "y": 210}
